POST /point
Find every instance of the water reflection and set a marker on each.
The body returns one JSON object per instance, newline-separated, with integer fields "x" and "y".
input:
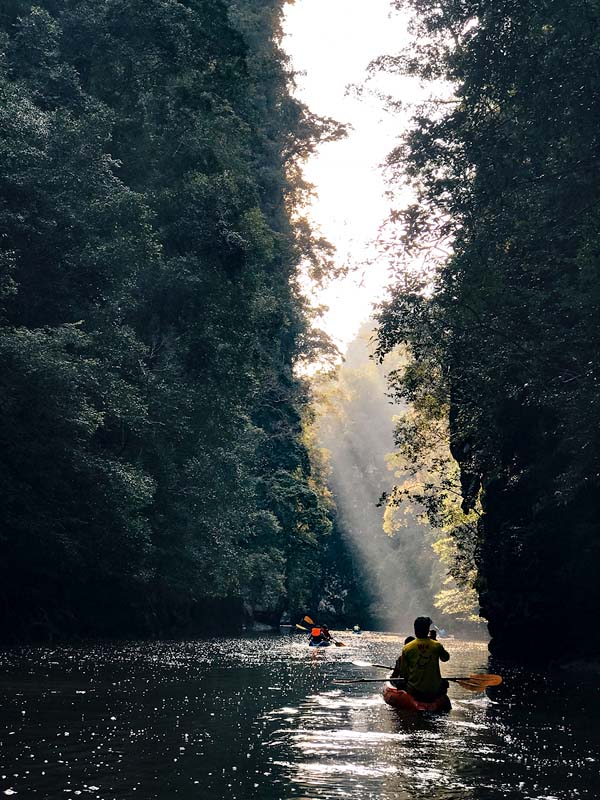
{"x": 348, "y": 744}
{"x": 259, "y": 717}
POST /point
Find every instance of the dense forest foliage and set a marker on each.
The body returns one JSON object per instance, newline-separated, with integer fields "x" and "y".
{"x": 501, "y": 318}
{"x": 154, "y": 460}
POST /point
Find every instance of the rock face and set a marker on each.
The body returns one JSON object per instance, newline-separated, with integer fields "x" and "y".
{"x": 264, "y": 617}
{"x": 538, "y": 552}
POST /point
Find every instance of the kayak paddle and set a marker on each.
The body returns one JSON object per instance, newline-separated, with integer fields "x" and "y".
{"x": 477, "y": 682}
{"x": 474, "y": 683}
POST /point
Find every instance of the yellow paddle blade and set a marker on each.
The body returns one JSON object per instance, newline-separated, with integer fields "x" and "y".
{"x": 301, "y": 628}
{"x": 478, "y": 682}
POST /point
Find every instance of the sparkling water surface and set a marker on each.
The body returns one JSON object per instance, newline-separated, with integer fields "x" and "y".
{"x": 260, "y": 717}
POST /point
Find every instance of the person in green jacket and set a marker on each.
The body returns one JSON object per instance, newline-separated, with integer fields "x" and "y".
{"x": 419, "y": 664}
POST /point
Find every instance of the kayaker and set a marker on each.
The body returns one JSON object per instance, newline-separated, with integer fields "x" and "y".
{"x": 320, "y": 633}
{"x": 419, "y": 664}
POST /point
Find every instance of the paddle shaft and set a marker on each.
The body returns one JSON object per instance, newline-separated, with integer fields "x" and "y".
{"x": 380, "y": 680}
{"x": 474, "y": 683}
{"x": 481, "y": 677}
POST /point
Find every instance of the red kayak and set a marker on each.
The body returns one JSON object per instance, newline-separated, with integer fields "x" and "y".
{"x": 404, "y": 701}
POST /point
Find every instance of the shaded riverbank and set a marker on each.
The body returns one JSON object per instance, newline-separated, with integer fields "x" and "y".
{"x": 259, "y": 717}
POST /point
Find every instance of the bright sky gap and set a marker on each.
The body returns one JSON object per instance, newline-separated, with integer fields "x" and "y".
{"x": 331, "y": 45}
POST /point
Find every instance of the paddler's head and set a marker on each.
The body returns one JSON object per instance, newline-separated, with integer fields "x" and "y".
{"x": 422, "y": 625}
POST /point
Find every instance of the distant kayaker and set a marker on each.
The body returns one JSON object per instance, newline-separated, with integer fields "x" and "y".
{"x": 320, "y": 633}
{"x": 419, "y": 664}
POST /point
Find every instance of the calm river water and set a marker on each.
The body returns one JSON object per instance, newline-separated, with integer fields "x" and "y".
{"x": 259, "y": 717}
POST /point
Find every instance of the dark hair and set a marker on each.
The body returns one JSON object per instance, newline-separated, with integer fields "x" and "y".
{"x": 409, "y": 639}
{"x": 422, "y": 625}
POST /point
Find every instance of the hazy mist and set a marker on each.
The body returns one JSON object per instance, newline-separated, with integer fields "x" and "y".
{"x": 401, "y": 573}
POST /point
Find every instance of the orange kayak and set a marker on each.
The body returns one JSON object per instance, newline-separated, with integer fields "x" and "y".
{"x": 404, "y": 701}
